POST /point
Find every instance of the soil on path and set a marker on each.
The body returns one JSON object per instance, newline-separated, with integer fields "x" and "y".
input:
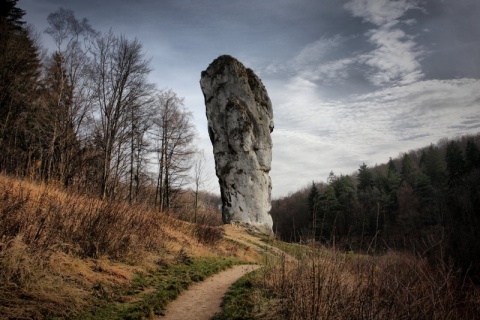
{"x": 202, "y": 300}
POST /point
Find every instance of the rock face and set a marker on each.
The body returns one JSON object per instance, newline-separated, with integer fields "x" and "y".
{"x": 240, "y": 120}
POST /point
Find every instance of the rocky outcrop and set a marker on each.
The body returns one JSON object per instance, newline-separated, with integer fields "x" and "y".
{"x": 240, "y": 120}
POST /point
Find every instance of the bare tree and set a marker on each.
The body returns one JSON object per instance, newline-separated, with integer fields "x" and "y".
{"x": 140, "y": 123}
{"x": 173, "y": 134}
{"x": 119, "y": 71}
{"x": 199, "y": 179}
{"x": 68, "y": 98}
{"x": 56, "y": 127}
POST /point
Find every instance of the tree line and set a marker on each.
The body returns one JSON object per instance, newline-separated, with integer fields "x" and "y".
{"x": 86, "y": 116}
{"x": 426, "y": 201}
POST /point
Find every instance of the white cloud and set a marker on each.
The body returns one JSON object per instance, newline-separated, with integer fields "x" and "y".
{"x": 317, "y": 60}
{"x": 410, "y": 22}
{"x": 380, "y": 12}
{"x": 316, "y": 51}
{"x": 395, "y": 60}
{"x": 329, "y": 72}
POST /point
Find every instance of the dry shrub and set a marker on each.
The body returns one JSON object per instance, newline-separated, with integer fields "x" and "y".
{"x": 19, "y": 267}
{"x": 29, "y": 290}
{"x": 205, "y": 215}
{"x": 207, "y": 234}
{"x": 208, "y": 215}
{"x": 394, "y": 286}
{"x": 49, "y": 220}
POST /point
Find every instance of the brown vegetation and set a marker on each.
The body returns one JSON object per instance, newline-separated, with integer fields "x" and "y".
{"x": 59, "y": 251}
{"x": 324, "y": 284}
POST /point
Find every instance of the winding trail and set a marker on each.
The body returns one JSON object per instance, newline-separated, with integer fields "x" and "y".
{"x": 202, "y": 300}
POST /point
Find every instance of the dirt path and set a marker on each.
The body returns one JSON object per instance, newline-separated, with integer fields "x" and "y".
{"x": 202, "y": 300}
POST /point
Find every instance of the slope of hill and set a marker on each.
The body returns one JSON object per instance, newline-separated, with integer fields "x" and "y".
{"x": 62, "y": 255}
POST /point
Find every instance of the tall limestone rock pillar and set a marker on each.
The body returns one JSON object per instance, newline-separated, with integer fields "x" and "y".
{"x": 240, "y": 120}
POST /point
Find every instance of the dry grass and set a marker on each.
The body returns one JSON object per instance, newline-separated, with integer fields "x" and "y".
{"x": 49, "y": 220}
{"x": 330, "y": 285}
{"x": 59, "y": 251}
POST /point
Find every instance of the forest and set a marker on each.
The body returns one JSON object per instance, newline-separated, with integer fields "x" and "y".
{"x": 425, "y": 201}
{"x": 85, "y": 117}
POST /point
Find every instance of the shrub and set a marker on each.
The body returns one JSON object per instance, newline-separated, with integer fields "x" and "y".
{"x": 50, "y": 220}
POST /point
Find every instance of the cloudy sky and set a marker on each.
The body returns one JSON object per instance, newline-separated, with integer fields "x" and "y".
{"x": 351, "y": 81}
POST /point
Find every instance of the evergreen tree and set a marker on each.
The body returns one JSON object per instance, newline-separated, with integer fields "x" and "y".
{"x": 10, "y": 14}
{"x": 393, "y": 184}
{"x": 347, "y": 203}
{"x": 433, "y": 166}
{"x": 313, "y": 197}
{"x": 423, "y": 187}
{"x": 472, "y": 156}
{"x": 393, "y": 180}
{"x": 408, "y": 169}
{"x": 328, "y": 214}
{"x": 455, "y": 163}
{"x": 365, "y": 179}
{"x": 391, "y": 166}
{"x": 19, "y": 74}
{"x": 313, "y": 206}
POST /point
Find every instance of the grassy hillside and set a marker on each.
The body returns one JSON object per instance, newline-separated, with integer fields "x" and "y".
{"x": 64, "y": 255}
{"x": 67, "y": 256}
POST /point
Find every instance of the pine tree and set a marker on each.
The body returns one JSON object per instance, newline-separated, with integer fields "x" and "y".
{"x": 455, "y": 163}
{"x": 313, "y": 198}
{"x": 11, "y": 14}
{"x": 472, "y": 156}
{"x": 433, "y": 166}
{"x": 313, "y": 203}
{"x": 328, "y": 213}
{"x": 365, "y": 179}
{"x": 391, "y": 166}
{"x": 408, "y": 169}
{"x": 19, "y": 74}
{"x": 347, "y": 203}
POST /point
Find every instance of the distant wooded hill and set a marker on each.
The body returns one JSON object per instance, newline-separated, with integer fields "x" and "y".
{"x": 426, "y": 201}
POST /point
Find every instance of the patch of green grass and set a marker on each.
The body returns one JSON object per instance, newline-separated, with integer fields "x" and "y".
{"x": 151, "y": 292}
{"x": 256, "y": 244}
{"x": 236, "y": 243}
{"x": 239, "y": 303}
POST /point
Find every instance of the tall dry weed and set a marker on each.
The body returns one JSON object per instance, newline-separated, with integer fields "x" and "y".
{"x": 48, "y": 220}
{"x": 29, "y": 290}
{"x": 333, "y": 285}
